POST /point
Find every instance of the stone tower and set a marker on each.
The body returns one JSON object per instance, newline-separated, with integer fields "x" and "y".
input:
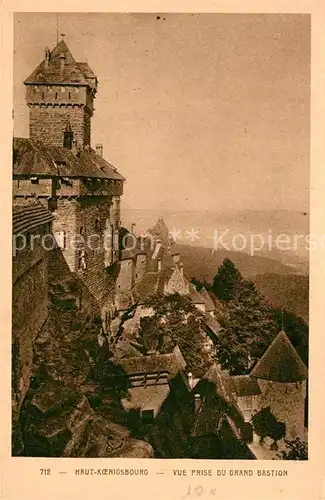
{"x": 282, "y": 378}
{"x": 57, "y": 166}
{"x": 61, "y": 91}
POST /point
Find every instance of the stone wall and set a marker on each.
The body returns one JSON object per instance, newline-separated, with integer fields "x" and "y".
{"x": 140, "y": 267}
{"x": 47, "y": 124}
{"x": 93, "y": 217}
{"x": 287, "y": 402}
{"x": 29, "y": 310}
{"x": 66, "y": 222}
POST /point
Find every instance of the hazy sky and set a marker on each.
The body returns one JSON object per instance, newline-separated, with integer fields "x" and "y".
{"x": 197, "y": 111}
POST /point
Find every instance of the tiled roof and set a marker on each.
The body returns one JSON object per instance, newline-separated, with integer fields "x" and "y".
{"x": 73, "y": 72}
{"x": 213, "y": 324}
{"x": 246, "y": 385}
{"x": 147, "y": 398}
{"x": 280, "y": 362}
{"x": 31, "y": 158}
{"x": 171, "y": 363}
{"x": 28, "y": 216}
{"x": 215, "y": 375}
{"x": 124, "y": 349}
{"x": 209, "y": 305}
{"x": 195, "y": 295}
{"x": 146, "y": 287}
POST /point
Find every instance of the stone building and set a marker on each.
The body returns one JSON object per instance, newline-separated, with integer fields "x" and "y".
{"x": 31, "y": 226}
{"x": 57, "y": 165}
{"x": 281, "y": 376}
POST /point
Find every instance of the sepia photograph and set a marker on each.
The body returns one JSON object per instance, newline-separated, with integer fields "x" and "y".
{"x": 161, "y": 236}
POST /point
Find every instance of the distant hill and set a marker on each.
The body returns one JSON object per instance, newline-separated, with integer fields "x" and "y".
{"x": 203, "y": 263}
{"x": 290, "y": 292}
{"x": 275, "y": 281}
{"x": 259, "y": 223}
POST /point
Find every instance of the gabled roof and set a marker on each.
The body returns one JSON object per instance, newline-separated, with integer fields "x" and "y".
{"x": 146, "y": 287}
{"x": 245, "y": 385}
{"x": 195, "y": 295}
{"x": 209, "y": 305}
{"x": 29, "y": 215}
{"x": 217, "y": 377}
{"x": 213, "y": 324}
{"x": 73, "y": 72}
{"x": 31, "y": 158}
{"x": 160, "y": 230}
{"x": 280, "y": 362}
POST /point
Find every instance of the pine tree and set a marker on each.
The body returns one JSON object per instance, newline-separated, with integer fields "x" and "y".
{"x": 226, "y": 281}
{"x": 247, "y": 331}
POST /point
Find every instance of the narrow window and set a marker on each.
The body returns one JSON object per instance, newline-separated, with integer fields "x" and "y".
{"x": 60, "y": 239}
{"x": 69, "y": 95}
{"x": 56, "y": 95}
{"x": 42, "y": 95}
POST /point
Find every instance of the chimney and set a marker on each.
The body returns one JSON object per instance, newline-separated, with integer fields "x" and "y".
{"x": 197, "y": 402}
{"x": 99, "y": 149}
{"x": 62, "y": 62}
{"x": 47, "y": 57}
{"x": 190, "y": 380}
{"x": 176, "y": 257}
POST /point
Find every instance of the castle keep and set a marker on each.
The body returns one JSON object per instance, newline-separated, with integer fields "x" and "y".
{"x": 57, "y": 166}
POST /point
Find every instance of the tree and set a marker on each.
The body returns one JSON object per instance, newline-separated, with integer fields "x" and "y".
{"x": 265, "y": 424}
{"x": 226, "y": 280}
{"x": 247, "y": 330}
{"x": 176, "y": 321}
{"x": 296, "y": 329}
{"x": 296, "y": 450}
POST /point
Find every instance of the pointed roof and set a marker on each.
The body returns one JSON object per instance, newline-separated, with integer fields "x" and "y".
{"x": 73, "y": 72}
{"x": 280, "y": 362}
{"x": 209, "y": 305}
{"x": 160, "y": 230}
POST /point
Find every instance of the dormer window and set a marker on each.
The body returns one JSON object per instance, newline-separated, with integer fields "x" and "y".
{"x": 63, "y": 89}
{"x": 49, "y": 89}
{"x": 36, "y": 88}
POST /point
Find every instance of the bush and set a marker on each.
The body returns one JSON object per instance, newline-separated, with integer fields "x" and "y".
{"x": 296, "y": 450}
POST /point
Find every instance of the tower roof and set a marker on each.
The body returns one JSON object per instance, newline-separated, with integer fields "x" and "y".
{"x": 54, "y": 71}
{"x": 280, "y": 362}
{"x": 31, "y": 158}
{"x": 160, "y": 230}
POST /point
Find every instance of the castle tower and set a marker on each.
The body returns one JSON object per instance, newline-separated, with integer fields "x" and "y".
{"x": 60, "y": 90}
{"x": 57, "y": 166}
{"x": 282, "y": 378}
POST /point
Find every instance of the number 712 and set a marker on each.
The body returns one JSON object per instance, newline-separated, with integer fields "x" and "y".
{"x": 45, "y": 472}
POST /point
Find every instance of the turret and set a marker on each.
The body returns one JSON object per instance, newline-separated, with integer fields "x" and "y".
{"x": 60, "y": 87}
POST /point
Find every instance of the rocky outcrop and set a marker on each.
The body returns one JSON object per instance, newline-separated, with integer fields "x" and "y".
{"x": 73, "y": 406}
